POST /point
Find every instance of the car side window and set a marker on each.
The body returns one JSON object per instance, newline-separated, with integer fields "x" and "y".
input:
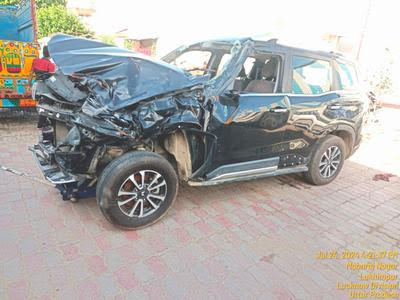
{"x": 311, "y": 76}
{"x": 347, "y": 76}
{"x": 248, "y": 64}
{"x": 194, "y": 62}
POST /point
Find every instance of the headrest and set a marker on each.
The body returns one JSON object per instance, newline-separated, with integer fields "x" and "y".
{"x": 269, "y": 69}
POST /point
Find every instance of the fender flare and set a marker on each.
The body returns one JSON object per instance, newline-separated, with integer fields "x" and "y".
{"x": 351, "y": 134}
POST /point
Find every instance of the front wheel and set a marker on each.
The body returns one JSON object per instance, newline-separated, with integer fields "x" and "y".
{"x": 327, "y": 161}
{"x": 137, "y": 189}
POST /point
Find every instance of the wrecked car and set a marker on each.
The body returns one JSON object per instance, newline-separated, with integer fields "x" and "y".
{"x": 131, "y": 128}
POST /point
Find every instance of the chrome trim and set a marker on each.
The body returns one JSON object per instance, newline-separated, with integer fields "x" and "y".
{"x": 244, "y": 173}
{"x": 244, "y": 168}
{"x": 278, "y": 110}
{"x": 278, "y": 172}
{"x": 292, "y": 94}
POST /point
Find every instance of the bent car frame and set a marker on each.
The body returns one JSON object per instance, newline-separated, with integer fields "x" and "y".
{"x": 131, "y": 127}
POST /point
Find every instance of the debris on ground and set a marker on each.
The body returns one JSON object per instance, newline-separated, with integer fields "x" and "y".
{"x": 383, "y": 176}
{"x": 268, "y": 258}
{"x": 26, "y": 175}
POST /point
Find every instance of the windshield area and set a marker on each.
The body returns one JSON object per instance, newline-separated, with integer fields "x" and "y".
{"x": 195, "y": 62}
{"x": 206, "y": 58}
{"x": 221, "y": 61}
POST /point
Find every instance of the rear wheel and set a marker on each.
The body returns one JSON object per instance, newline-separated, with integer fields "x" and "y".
{"x": 137, "y": 189}
{"x": 327, "y": 161}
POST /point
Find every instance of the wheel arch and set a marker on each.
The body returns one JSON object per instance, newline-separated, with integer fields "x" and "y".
{"x": 177, "y": 145}
{"x": 347, "y": 134}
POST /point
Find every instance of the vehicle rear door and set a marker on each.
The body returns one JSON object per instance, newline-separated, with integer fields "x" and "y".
{"x": 318, "y": 105}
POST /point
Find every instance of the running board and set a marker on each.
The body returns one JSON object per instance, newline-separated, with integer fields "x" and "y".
{"x": 248, "y": 168}
{"x": 276, "y": 172}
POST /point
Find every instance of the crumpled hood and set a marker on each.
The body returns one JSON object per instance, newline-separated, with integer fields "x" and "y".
{"x": 117, "y": 77}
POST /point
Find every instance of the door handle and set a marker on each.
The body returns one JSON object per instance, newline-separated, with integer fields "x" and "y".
{"x": 278, "y": 110}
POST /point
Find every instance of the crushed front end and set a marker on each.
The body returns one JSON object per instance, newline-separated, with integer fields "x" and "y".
{"x": 69, "y": 154}
{"x": 103, "y": 102}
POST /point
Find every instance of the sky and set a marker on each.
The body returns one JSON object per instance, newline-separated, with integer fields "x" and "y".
{"x": 188, "y": 21}
{"x": 300, "y": 23}
{"x": 194, "y": 20}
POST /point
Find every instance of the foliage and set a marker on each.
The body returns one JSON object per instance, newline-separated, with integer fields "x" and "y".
{"x": 46, "y": 3}
{"x": 129, "y": 44}
{"x": 108, "y": 39}
{"x": 39, "y": 3}
{"x": 381, "y": 79}
{"x": 56, "y": 18}
{"x": 9, "y": 2}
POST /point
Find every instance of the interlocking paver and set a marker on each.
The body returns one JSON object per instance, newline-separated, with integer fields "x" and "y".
{"x": 108, "y": 286}
{"x": 253, "y": 239}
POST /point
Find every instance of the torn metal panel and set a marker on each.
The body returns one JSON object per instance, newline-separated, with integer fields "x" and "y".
{"x": 117, "y": 77}
{"x": 63, "y": 87}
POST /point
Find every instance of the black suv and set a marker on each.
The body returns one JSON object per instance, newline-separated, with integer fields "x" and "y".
{"x": 129, "y": 127}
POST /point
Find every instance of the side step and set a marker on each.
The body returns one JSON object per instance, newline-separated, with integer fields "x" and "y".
{"x": 255, "y": 175}
{"x": 253, "y": 167}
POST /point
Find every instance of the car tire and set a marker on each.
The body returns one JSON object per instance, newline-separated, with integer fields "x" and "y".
{"x": 136, "y": 189}
{"x": 326, "y": 161}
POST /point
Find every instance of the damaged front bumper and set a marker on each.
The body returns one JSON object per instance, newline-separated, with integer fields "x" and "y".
{"x": 71, "y": 187}
{"x": 44, "y": 155}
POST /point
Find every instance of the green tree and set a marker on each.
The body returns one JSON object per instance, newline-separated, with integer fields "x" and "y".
{"x": 381, "y": 77}
{"x": 107, "y": 38}
{"x": 39, "y": 3}
{"x": 46, "y": 3}
{"x": 9, "y": 2}
{"x": 56, "y": 18}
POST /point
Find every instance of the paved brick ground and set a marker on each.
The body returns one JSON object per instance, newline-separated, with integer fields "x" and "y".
{"x": 250, "y": 240}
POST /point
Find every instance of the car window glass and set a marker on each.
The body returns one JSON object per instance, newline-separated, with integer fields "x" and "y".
{"x": 194, "y": 62}
{"x": 347, "y": 76}
{"x": 248, "y": 64}
{"x": 310, "y": 76}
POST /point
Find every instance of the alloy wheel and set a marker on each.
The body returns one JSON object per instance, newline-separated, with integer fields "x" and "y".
{"x": 330, "y": 161}
{"x": 142, "y": 193}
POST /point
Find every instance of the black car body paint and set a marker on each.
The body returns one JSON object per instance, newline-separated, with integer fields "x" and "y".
{"x": 117, "y": 101}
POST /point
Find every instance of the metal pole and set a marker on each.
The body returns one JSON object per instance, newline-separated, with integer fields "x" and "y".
{"x": 364, "y": 29}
